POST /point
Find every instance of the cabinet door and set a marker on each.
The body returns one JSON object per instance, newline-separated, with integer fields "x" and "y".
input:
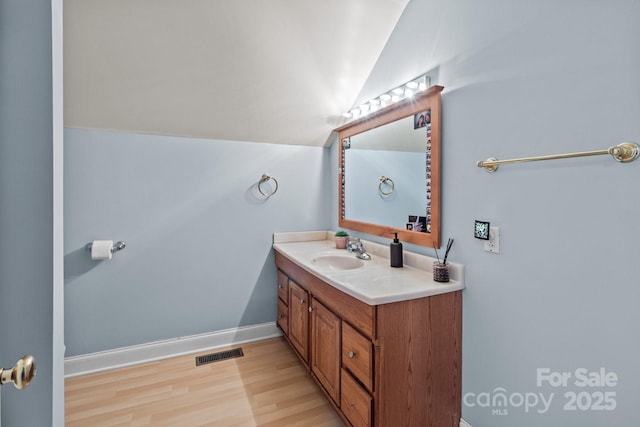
{"x": 299, "y": 319}
{"x": 325, "y": 348}
{"x": 283, "y": 287}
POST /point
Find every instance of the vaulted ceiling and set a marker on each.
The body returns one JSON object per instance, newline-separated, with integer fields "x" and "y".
{"x": 275, "y": 71}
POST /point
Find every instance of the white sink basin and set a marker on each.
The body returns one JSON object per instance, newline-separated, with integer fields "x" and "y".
{"x": 338, "y": 262}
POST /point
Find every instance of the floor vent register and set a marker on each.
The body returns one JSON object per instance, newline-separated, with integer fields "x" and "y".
{"x": 217, "y": 357}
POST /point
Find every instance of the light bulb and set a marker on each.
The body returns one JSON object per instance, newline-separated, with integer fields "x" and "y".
{"x": 407, "y": 90}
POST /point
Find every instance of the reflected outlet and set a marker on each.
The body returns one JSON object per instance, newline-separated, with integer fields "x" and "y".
{"x": 493, "y": 244}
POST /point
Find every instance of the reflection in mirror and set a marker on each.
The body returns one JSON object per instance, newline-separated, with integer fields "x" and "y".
{"x": 395, "y": 151}
{"x": 390, "y": 171}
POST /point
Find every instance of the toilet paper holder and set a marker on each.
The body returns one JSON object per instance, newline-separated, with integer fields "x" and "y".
{"x": 117, "y": 246}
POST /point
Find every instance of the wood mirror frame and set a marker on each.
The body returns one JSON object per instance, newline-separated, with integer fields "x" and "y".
{"x": 429, "y": 99}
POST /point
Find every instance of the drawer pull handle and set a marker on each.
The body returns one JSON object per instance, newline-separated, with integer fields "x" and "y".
{"x": 352, "y": 355}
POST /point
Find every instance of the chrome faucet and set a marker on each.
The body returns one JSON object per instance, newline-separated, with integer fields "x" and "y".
{"x": 355, "y": 245}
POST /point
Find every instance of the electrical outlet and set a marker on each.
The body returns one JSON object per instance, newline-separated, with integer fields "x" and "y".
{"x": 493, "y": 244}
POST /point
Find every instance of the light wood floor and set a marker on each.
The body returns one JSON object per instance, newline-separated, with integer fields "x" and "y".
{"x": 267, "y": 387}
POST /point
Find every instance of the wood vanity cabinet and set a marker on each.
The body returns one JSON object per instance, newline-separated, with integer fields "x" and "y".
{"x": 387, "y": 365}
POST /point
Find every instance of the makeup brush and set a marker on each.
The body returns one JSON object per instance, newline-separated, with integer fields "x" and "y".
{"x": 446, "y": 254}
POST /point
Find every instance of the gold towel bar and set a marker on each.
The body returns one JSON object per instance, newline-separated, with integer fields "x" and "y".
{"x": 625, "y": 152}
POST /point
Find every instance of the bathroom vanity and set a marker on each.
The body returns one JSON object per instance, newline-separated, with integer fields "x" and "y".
{"x": 383, "y": 343}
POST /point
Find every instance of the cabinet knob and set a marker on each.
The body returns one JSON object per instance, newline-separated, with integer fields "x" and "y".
{"x": 352, "y": 355}
{"x": 279, "y": 286}
{"x": 310, "y": 309}
{"x": 301, "y": 301}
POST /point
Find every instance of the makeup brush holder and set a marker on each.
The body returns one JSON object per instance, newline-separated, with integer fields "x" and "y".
{"x": 440, "y": 272}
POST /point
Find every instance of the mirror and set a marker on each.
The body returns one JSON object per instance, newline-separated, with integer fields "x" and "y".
{"x": 389, "y": 166}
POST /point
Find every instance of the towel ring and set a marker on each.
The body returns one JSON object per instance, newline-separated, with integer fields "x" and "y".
{"x": 265, "y": 178}
{"x": 389, "y": 182}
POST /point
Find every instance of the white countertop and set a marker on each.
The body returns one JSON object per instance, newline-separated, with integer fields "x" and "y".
{"x": 375, "y": 282}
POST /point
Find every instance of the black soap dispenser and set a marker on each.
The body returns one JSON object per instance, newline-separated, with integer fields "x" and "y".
{"x": 396, "y": 252}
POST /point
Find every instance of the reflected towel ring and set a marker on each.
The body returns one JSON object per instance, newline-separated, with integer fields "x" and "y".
{"x": 265, "y": 178}
{"x": 389, "y": 182}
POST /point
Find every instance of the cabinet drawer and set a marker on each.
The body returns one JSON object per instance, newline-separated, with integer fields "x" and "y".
{"x": 283, "y": 287}
{"x": 355, "y": 402}
{"x": 283, "y": 317}
{"x": 357, "y": 355}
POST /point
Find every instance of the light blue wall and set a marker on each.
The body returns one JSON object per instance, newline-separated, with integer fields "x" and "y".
{"x": 529, "y": 78}
{"x": 198, "y": 256}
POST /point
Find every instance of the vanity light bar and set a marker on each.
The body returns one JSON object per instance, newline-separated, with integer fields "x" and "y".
{"x": 404, "y": 91}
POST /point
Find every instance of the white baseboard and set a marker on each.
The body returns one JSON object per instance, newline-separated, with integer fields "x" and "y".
{"x": 127, "y": 356}
{"x": 463, "y": 423}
